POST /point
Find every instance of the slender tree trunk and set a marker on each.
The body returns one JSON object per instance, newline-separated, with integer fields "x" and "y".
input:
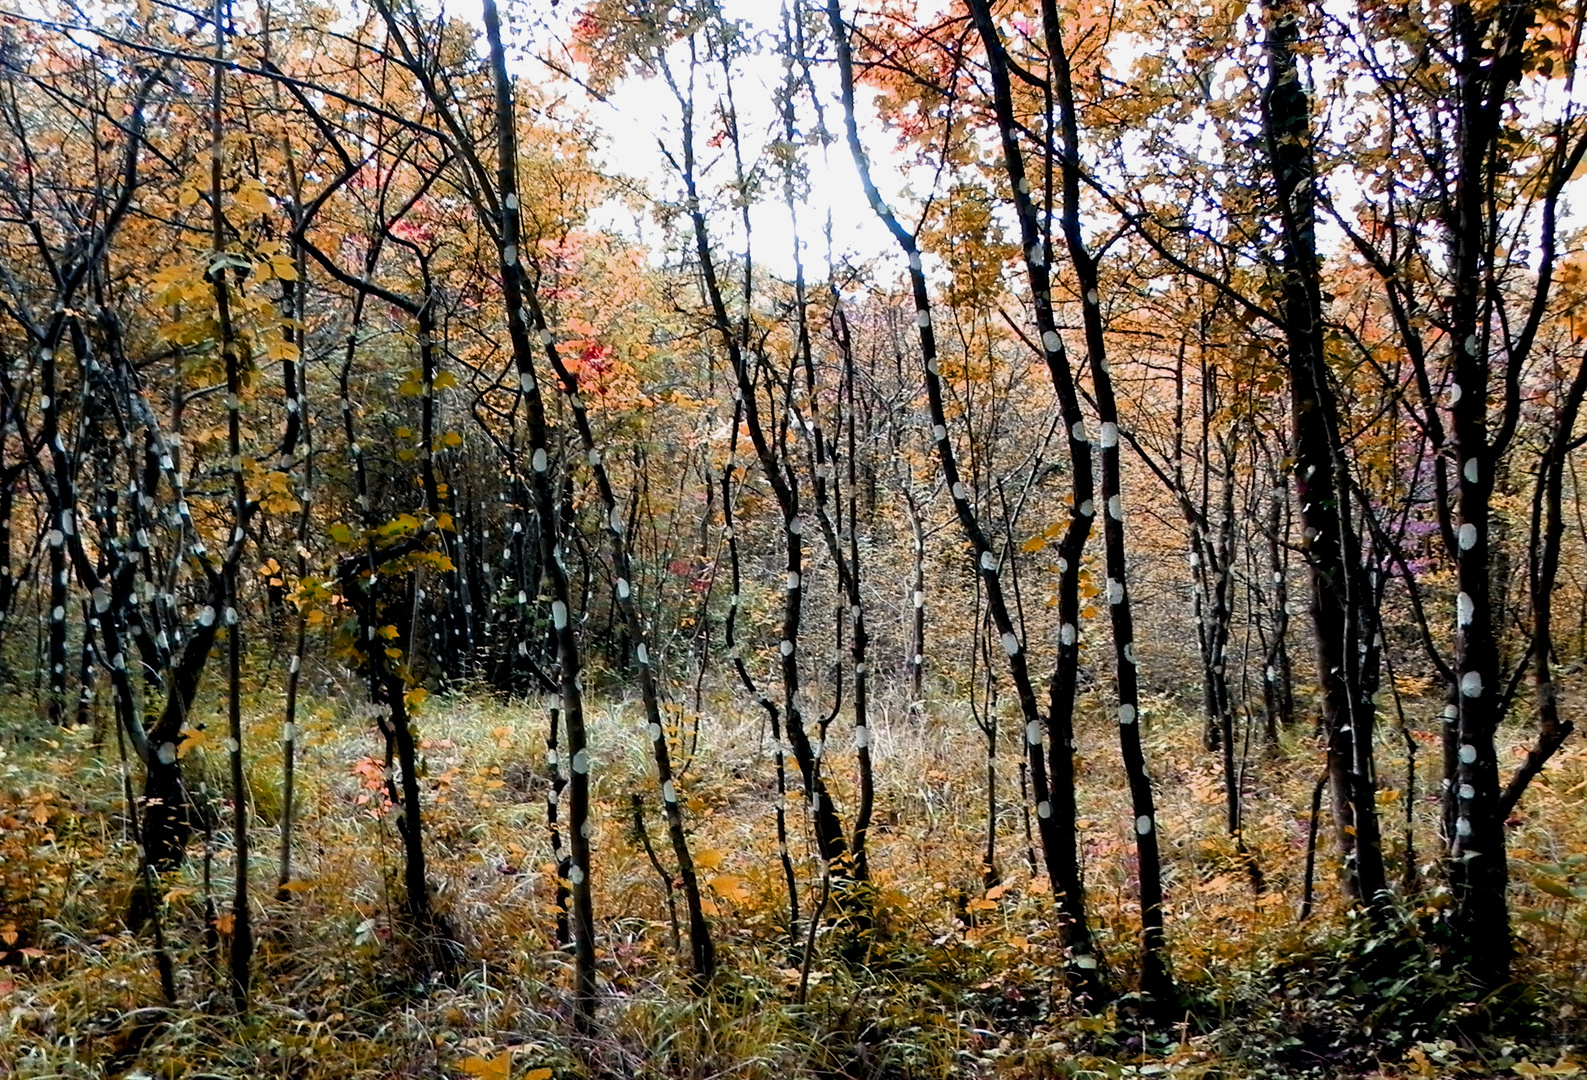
{"x": 1155, "y": 978}
{"x": 1343, "y": 626}
{"x": 241, "y": 955}
{"x": 1055, "y": 803}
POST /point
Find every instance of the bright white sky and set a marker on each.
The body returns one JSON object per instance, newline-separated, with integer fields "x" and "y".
{"x": 643, "y": 110}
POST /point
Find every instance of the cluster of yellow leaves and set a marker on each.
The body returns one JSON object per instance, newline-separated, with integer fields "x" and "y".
{"x": 499, "y": 1067}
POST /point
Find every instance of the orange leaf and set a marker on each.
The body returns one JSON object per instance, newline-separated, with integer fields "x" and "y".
{"x": 496, "y": 1068}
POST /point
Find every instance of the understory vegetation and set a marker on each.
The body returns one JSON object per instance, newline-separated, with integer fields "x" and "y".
{"x": 954, "y": 978}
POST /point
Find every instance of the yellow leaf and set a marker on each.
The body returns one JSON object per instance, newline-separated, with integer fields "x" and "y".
{"x": 543, "y": 1073}
{"x": 496, "y": 1068}
{"x": 708, "y": 860}
{"x": 1034, "y": 544}
{"x": 731, "y": 887}
{"x": 452, "y": 438}
{"x": 444, "y": 381}
{"x": 1552, "y": 887}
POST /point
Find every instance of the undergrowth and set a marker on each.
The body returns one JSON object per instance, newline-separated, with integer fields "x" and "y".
{"x": 952, "y": 978}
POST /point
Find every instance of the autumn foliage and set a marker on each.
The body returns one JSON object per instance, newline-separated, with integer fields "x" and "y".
{"x": 986, "y": 539}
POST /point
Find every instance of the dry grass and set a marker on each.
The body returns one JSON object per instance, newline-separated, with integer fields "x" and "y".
{"x": 953, "y": 983}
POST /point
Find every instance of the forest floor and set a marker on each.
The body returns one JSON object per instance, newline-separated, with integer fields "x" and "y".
{"x": 956, "y": 980}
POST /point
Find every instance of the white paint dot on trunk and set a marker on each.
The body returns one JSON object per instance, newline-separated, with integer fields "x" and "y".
{"x": 1468, "y": 536}
{"x": 862, "y": 738}
{"x": 655, "y": 732}
{"x": 792, "y": 580}
{"x": 205, "y": 617}
{"x": 1467, "y": 791}
{"x": 939, "y": 432}
{"x": 1066, "y": 633}
{"x": 1126, "y": 714}
{"x": 1044, "y": 809}
{"x": 1471, "y": 470}
{"x": 1078, "y": 431}
{"x": 1115, "y": 591}
{"x": 1471, "y": 684}
{"x": 539, "y": 460}
{"x": 1033, "y": 733}
{"x": 923, "y": 319}
{"x": 623, "y": 589}
{"x": 559, "y": 614}
{"x": 958, "y": 491}
{"x": 1463, "y": 827}
{"x": 1468, "y": 754}
{"x": 1116, "y": 507}
{"x": 642, "y": 654}
{"x": 1143, "y": 824}
{"x": 1010, "y": 643}
{"x": 576, "y": 875}
{"x": 167, "y": 753}
{"x": 1464, "y": 610}
{"x": 1051, "y": 341}
{"x": 988, "y": 561}
{"x": 1086, "y": 963}
{"x": 786, "y": 647}
{"x": 581, "y": 762}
